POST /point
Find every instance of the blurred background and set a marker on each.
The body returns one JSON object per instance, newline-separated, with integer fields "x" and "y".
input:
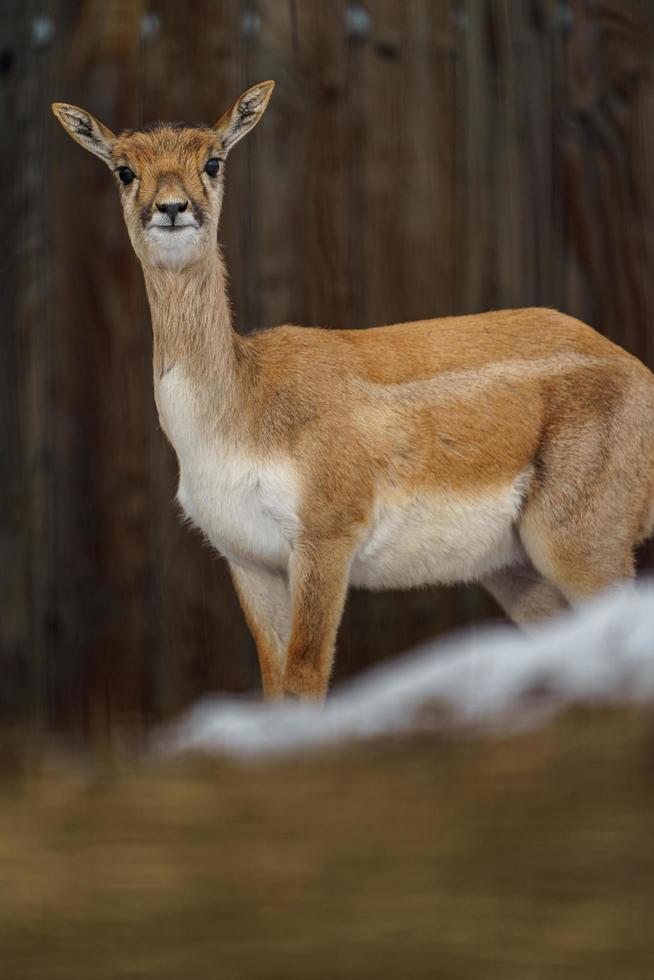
{"x": 418, "y": 159}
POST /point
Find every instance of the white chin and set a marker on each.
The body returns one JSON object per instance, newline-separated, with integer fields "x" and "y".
{"x": 174, "y": 249}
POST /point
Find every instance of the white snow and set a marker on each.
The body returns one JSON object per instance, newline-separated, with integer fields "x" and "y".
{"x": 495, "y": 680}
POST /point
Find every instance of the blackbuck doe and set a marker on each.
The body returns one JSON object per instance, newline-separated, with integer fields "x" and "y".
{"x": 514, "y": 448}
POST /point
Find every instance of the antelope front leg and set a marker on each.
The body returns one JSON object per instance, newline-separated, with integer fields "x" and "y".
{"x": 318, "y": 579}
{"x": 266, "y": 604}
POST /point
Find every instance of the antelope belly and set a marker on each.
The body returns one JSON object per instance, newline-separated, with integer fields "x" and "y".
{"x": 442, "y": 537}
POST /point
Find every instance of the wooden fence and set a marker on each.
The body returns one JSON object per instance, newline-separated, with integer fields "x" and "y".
{"x": 418, "y": 158}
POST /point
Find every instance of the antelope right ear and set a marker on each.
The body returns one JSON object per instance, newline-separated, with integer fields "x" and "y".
{"x": 86, "y": 130}
{"x": 243, "y": 114}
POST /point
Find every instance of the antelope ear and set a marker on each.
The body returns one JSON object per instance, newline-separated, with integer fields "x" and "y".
{"x": 86, "y": 130}
{"x": 244, "y": 114}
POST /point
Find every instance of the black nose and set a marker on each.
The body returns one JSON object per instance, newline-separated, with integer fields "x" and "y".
{"x": 173, "y": 209}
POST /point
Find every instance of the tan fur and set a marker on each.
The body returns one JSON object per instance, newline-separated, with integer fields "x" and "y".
{"x": 380, "y": 418}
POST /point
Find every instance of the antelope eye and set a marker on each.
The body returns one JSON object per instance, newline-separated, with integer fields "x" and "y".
{"x": 126, "y": 175}
{"x": 212, "y": 166}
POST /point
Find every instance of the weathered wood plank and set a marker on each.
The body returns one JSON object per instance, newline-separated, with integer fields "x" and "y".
{"x": 275, "y": 163}
{"x": 25, "y": 361}
{"x": 507, "y": 160}
{"x": 99, "y": 659}
{"x": 318, "y": 216}
{"x": 407, "y": 167}
{"x": 608, "y": 120}
{"x": 608, "y": 148}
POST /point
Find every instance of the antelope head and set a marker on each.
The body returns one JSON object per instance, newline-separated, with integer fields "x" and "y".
{"x": 170, "y": 176}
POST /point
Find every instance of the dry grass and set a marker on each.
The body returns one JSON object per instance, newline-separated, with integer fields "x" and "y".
{"x": 525, "y": 858}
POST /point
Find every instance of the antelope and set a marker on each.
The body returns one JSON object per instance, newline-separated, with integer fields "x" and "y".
{"x": 514, "y": 448}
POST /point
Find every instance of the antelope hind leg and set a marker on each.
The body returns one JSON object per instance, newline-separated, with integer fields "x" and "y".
{"x": 524, "y": 594}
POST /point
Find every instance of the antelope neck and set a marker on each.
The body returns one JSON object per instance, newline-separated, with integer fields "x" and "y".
{"x": 191, "y": 324}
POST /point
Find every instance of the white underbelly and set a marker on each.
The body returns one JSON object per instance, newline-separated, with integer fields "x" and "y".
{"x": 250, "y": 515}
{"x": 437, "y": 538}
{"x": 442, "y": 537}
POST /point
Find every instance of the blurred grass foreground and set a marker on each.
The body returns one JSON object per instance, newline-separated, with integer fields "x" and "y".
{"x": 453, "y": 853}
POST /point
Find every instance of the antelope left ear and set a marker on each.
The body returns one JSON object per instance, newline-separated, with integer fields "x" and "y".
{"x": 86, "y": 130}
{"x": 244, "y": 114}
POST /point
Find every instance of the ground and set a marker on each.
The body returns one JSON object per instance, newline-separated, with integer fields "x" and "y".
{"x": 523, "y": 857}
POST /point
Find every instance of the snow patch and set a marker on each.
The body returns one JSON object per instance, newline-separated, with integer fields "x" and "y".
{"x": 495, "y": 680}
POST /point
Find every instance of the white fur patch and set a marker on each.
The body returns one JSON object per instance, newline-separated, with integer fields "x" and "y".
{"x": 243, "y": 506}
{"x": 246, "y": 507}
{"x": 173, "y": 249}
{"x": 440, "y": 537}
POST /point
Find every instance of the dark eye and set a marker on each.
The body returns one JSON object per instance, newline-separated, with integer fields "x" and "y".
{"x": 126, "y": 175}
{"x": 212, "y": 166}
